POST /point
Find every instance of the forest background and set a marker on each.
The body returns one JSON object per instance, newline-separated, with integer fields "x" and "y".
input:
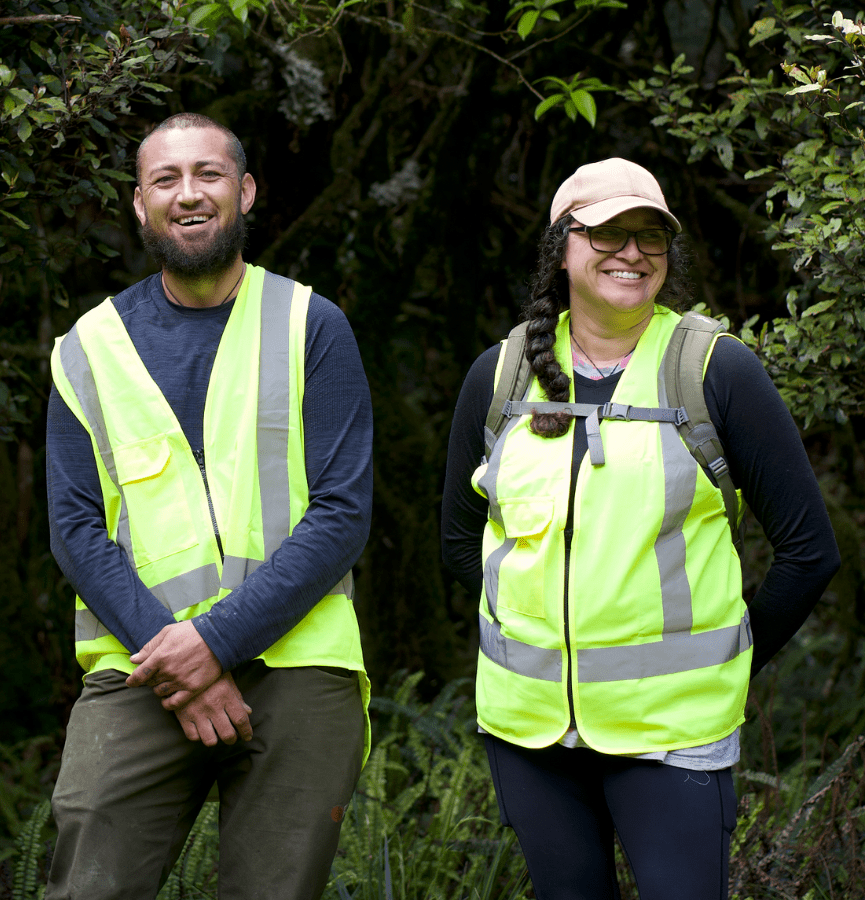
{"x": 406, "y": 154}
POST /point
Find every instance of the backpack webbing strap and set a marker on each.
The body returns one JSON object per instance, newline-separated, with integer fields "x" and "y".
{"x": 594, "y": 414}
{"x": 513, "y": 383}
{"x": 683, "y": 366}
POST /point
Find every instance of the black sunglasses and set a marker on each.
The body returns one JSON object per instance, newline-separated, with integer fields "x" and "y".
{"x": 611, "y": 238}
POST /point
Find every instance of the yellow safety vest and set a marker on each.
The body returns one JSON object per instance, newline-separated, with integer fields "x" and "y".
{"x": 156, "y": 506}
{"x": 617, "y": 599}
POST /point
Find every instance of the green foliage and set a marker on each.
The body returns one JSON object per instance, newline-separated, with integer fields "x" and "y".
{"x": 61, "y": 150}
{"x": 27, "y": 771}
{"x": 194, "y": 874}
{"x": 29, "y": 874}
{"x": 210, "y": 16}
{"x": 456, "y": 21}
{"x": 805, "y": 148}
{"x": 422, "y": 824}
{"x": 529, "y": 12}
{"x": 574, "y": 96}
{"x": 11, "y": 405}
{"x": 808, "y": 849}
{"x": 67, "y": 84}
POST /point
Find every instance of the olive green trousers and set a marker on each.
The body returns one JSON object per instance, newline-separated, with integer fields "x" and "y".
{"x": 131, "y": 785}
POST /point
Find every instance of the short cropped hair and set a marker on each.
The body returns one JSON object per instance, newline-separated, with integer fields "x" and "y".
{"x": 196, "y": 120}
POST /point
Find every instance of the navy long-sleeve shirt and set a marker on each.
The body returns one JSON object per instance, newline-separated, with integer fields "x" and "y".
{"x": 178, "y": 347}
{"x": 767, "y": 462}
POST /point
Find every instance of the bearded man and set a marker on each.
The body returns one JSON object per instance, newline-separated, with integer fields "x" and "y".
{"x": 209, "y": 485}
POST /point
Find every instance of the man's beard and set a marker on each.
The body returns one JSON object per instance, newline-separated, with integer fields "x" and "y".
{"x": 193, "y": 261}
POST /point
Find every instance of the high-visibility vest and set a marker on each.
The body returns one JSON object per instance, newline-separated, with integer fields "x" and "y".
{"x": 156, "y": 505}
{"x": 615, "y": 598}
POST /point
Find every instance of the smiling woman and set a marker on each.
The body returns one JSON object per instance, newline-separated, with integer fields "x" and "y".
{"x": 612, "y": 293}
{"x": 615, "y": 646}
{"x": 190, "y": 202}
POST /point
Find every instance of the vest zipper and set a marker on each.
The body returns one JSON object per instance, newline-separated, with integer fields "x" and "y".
{"x": 569, "y": 537}
{"x": 199, "y": 458}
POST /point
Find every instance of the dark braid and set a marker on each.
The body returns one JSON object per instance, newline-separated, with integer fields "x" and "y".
{"x": 549, "y": 297}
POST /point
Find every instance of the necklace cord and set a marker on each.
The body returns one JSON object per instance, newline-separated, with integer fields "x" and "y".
{"x": 589, "y": 358}
{"x": 227, "y": 296}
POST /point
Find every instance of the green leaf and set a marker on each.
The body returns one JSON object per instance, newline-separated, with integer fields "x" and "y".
{"x": 106, "y": 189}
{"x": 117, "y": 176}
{"x": 547, "y": 104}
{"x": 818, "y": 308}
{"x": 761, "y": 126}
{"x": 585, "y": 105}
{"x": 25, "y": 129}
{"x": 99, "y": 128}
{"x": 724, "y": 147}
{"x": 527, "y": 22}
{"x": 204, "y": 13}
{"x": 762, "y": 30}
{"x": 15, "y": 219}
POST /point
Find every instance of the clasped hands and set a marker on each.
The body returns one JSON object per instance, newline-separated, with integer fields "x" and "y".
{"x": 188, "y": 679}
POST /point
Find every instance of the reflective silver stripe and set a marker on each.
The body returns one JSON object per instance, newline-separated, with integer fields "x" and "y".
{"x": 491, "y": 573}
{"x": 675, "y": 653}
{"x": 680, "y": 480}
{"x": 344, "y": 586}
{"x": 175, "y": 594}
{"x": 274, "y": 387}
{"x": 183, "y": 591}
{"x": 680, "y": 485}
{"x": 235, "y": 569}
{"x": 515, "y": 656}
{"x": 77, "y": 369}
{"x": 88, "y": 627}
{"x": 488, "y": 482}
{"x": 274, "y": 399}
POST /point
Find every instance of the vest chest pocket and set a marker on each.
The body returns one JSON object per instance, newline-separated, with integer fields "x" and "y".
{"x": 160, "y": 522}
{"x": 523, "y": 574}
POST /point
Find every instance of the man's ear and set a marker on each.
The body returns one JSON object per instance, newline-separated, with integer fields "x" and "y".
{"x": 138, "y": 203}
{"x": 247, "y": 193}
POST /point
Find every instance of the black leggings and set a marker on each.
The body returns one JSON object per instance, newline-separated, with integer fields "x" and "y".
{"x": 563, "y": 804}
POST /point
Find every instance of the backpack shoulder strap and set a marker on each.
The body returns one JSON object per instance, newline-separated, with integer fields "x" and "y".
{"x": 512, "y": 384}
{"x": 683, "y": 365}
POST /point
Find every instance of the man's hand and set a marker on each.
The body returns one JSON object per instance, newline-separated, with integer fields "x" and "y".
{"x": 216, "y": 714}
{"x": 177, "y": 664}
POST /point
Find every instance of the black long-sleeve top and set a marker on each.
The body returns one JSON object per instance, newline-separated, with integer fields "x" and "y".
{"x": 178, "y": 346}
{"x": 767, "y": 462}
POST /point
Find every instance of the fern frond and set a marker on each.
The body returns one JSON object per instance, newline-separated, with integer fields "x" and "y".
{"x": 29, "y": 847}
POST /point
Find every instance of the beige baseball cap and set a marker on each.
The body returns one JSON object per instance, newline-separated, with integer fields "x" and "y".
{"x": 598, "y": 191}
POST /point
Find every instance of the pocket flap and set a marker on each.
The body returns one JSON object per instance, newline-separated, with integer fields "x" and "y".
{"x": 142, "y": 459}
{"x": 526, "y": 517}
